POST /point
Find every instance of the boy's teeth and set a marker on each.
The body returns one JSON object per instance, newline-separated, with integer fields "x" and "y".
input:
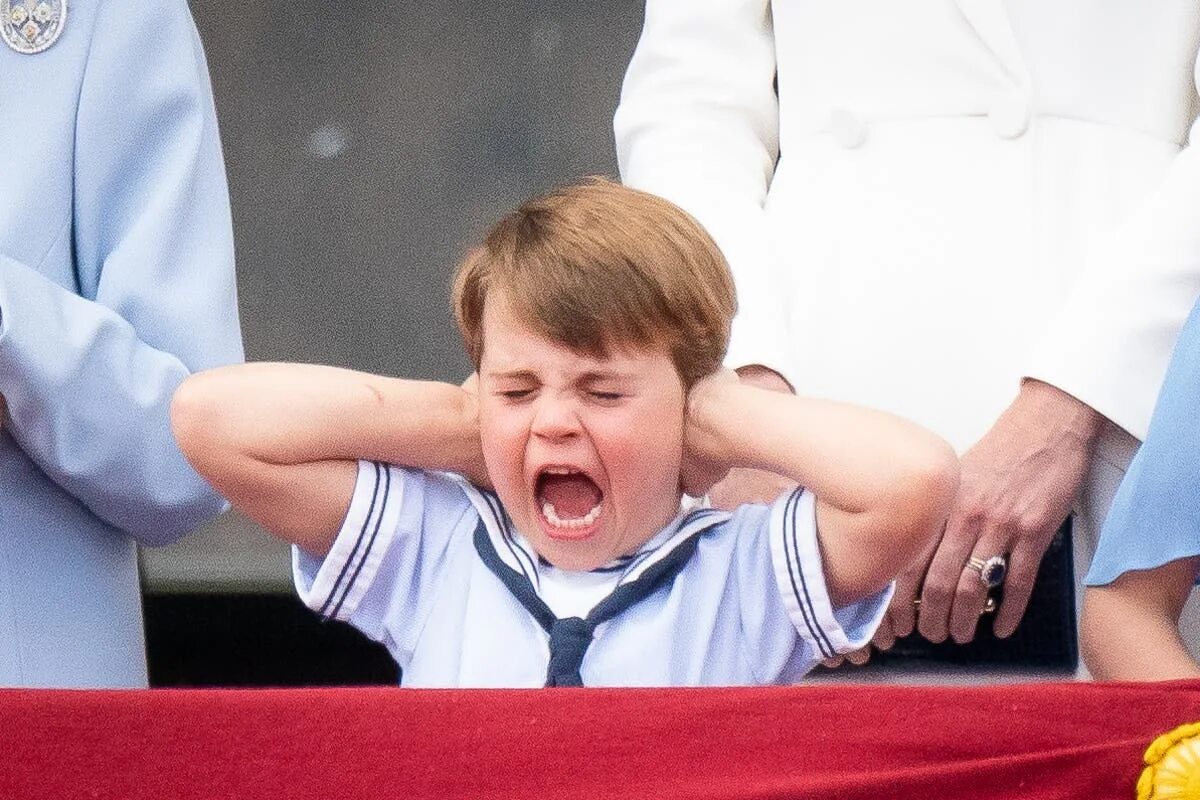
{"x": 581, "y": 522}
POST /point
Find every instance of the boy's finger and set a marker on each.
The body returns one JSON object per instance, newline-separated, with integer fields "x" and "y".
{"x": 860, "y": 656}
{"x": 885, "y": 634}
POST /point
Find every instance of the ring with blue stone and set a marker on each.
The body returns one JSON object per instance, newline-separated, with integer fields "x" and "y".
{"x": 991, "y": 571}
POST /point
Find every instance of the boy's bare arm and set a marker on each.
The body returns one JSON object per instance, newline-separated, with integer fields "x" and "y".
{"x": 884, "y": 486}
{"x": 1130, "y": 628}
{"x": 280, "y": 441}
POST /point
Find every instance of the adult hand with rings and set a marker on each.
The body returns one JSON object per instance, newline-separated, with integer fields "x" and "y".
{"x": 1018, "y": 484}
{"x": 901, "y": 620}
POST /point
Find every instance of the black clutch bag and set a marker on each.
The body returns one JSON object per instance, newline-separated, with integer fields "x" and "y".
{"x": 1045, "y": 639}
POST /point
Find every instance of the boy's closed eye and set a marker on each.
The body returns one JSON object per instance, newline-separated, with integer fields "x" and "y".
{"x": 592, "y": 394}
{"x": 606, "y": 387}
{"x": 605, "y": 396}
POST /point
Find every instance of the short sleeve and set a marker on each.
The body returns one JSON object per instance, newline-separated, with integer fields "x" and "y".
{"x": 390, "y": 556}
{"x": 800, "y": 580}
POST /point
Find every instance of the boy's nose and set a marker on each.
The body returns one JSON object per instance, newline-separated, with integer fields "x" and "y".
{"x": 554, "y": 419}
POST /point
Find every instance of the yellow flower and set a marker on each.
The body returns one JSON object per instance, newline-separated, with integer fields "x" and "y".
{"x": 1172, "y": 766}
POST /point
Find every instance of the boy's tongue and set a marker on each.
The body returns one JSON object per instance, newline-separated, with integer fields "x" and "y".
{"x": 572, "y": 496}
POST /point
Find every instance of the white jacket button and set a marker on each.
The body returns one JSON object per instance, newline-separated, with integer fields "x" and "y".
{"x": 1010, "y": 115}
{"x": 847, "y": 128}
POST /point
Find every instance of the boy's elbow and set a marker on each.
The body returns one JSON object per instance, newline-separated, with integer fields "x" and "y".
{"x": 909, "y": 517}
{"x": 927, "y": 493}
{"x": 939, "y": 477}
{"x": 195, "y": 419}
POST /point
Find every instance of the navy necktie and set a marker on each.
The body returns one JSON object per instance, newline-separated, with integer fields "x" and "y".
{"x": 570, "y": 637}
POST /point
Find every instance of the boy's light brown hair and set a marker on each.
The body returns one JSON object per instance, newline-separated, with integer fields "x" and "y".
{"x": 596, "y": 266}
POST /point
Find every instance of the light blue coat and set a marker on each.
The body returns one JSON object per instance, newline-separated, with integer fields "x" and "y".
{"x": 116, "y": 281}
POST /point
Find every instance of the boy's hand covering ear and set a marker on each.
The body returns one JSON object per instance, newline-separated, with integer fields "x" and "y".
{"x": 476, "y": 473}
{"x": 741, "y": 486}
{"x": 704, "y": 463}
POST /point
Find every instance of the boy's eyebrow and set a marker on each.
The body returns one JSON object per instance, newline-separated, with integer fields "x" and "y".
{"x": 591, "y": 376}
{"x": 512, "y": 374}
{"x": 595, "y": 375}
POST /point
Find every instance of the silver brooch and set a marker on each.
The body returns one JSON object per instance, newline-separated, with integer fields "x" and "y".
{"x": 30, "y": 26}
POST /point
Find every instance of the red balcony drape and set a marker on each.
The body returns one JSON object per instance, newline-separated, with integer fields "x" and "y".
{"x": 1034, "y": 741}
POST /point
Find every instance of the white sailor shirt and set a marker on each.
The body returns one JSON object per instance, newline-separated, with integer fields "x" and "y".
{"x": 748, "y": 607}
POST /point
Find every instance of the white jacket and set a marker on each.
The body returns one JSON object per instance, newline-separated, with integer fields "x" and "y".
{"x": 946, "y": 196}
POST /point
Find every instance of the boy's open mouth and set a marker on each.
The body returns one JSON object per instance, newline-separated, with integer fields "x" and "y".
{"x": 569, "y": 500}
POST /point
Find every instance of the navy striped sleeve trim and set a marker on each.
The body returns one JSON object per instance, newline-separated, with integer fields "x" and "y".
{"x": 340, "y": 584}
{"x": 800, "y": 577}
{"x": 350, "y": 565}
{"x": 384, "y": 494}
{"x": 797, "y": 584}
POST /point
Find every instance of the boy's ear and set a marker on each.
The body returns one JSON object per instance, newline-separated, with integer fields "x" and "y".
{"x": 764, "y": 378}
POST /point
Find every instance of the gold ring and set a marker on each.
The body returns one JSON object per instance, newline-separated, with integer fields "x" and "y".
{"x": 991, "y": 570}
{"x": 989, "y": 605}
